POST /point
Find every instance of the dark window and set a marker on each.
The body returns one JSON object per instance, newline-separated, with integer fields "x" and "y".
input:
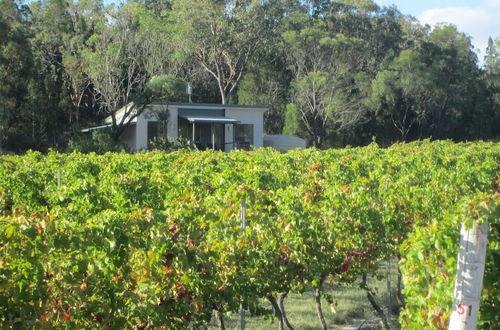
{"x": 243, "y": 136}
{"x": 185, "y": 129}
{"x": 152, "y": 130}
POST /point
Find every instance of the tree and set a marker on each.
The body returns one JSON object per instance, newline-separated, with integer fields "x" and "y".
{"x": 15, "y": 70}
{"x": 223, "y": 36}
{"x": 403, "y": 92}
{"x": 462, "y": 107}
{"x": 335, "y": 72}
{"x": 492, "y": 58}
{"x": 310, "y": 61}
{"x": 51, "y": 103}
{"x": 492, "y": 77}
{"x": 293, "y": 124}
{"x": 267, "y": 83}
{"x": 334, "y": 50}
{"x": 326, "y": 90}
{"x": 121, "y": 61}
{"x": 85, "y": 16}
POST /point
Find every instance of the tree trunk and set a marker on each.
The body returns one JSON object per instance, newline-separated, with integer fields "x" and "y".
{"x": 374, "y": 303}
{"x": 282, "y": 308}
{"x": 220, "y": 320}
{"x": 277, "y": 311}
{"x": 319, "y": 309}
{"x": 223, "y": 98}
{"x": 401, "y": 298}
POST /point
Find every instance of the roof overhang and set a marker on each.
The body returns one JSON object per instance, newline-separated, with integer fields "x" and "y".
{"x": 90, "y": 129}
{"x": 209, "y": 119}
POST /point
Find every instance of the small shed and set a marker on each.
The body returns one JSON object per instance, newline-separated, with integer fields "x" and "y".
{"x": 284, "y": 142}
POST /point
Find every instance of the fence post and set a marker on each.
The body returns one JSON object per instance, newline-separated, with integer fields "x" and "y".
{"x": 389, "y": 294}
{"x": 470, "y": 272}
{"x": 388, "y": 271}
{"x": 243, "y": 227}
{"x": 243, "y": 214}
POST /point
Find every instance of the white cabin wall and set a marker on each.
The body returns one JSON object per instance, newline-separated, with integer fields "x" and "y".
{"x": 128, "y": 137}
{"x": 173, "y": 120}
{"x": 250, "y": 116}
{"x": 120, "y": 114}
{"x": 228, "y": 137}
{"x": 172, "y": 125}
{"x": 141, "y": 139}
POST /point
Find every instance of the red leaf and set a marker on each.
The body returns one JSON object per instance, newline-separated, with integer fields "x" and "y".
{"x": 345, "y": 266}
{"x": 315, "y": 166}
{"x": 66, "y": 316}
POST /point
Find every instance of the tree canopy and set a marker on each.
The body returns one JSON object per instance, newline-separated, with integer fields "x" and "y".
{"x": 335, "y": 72}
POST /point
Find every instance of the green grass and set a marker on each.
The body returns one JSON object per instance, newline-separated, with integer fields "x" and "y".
{"x": 351, "y": 308}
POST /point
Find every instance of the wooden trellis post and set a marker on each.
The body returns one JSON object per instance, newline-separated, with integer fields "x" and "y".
{"x": 243, "y": 226}
{"x": 388, "y": 283}
{"x": 470, "y": 272}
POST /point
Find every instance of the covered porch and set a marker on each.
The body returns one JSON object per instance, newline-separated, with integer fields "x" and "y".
{"x": 208, "y": 132}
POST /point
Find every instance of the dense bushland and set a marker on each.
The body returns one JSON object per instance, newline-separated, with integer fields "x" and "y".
{"x": 336, "y": 73}
{"x": 154, "y": 239}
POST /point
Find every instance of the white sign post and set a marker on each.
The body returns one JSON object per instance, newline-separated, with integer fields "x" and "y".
{"x": 243, "y": 227}
{"x": 470, "y": 271}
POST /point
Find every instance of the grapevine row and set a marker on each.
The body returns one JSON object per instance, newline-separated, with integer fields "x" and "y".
{"x": 154, "y": 239}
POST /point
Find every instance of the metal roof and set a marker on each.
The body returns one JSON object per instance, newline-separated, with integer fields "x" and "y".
{"x": 197, "y": 105}
{"x": 119, "y": 112}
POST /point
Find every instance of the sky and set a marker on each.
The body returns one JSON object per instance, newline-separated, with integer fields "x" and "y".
{"x": 480, "y": 19}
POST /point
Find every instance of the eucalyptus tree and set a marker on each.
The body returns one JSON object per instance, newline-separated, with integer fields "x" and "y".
{"x": 85, "y": 17}
{"x": 313, "y": 85}
{"x": 327, "y": 89}
{"x": 434, "y": 89}
{"x": 123, "y": 56}
{"x": 492, "y": 77}
{"x": 463, "y": 111}
{"x": 15, "y": 70}
{"x": 268, "y": 77}
{"x": 268, "y": 82}
{"x": 49, "y": 101}
{"x": 492, "y": 58}
{"x": 224, "y": 36}
{"x": 43, "y": 105}
{"x": 402, "y": 93}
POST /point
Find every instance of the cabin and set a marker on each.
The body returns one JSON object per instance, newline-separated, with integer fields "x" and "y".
{"x": 209, "y": 126}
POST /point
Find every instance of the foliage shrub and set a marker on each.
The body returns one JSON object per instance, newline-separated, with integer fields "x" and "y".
{"x": 98, "y": 141}
{"x": 164, "y": 143}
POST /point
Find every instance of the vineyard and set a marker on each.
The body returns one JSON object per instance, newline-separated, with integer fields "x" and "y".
{"x": 155, "y": 240}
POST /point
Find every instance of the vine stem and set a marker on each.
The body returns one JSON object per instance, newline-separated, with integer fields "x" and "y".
{"x": 281, "y": 304}
{"x": 401, "y": 299}
{"x": 317, "y": 298}
{"x": 373, "y": 302}
{"x": 220, "y": 320}
{"x": 277, "y": 311}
